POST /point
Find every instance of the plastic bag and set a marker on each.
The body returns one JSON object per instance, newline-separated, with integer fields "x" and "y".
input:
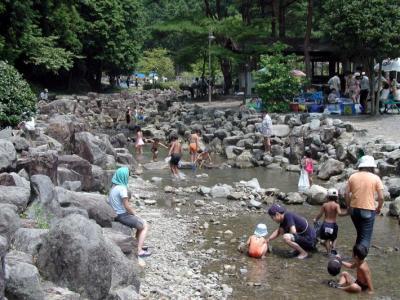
{"x": 303, "y": 184}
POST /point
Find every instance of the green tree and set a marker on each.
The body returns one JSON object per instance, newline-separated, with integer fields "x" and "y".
{"x": 157, "y": 60}
{"x": 365, "y": 30}
{"x": 275, "y": 84}
{"x": 16, "y": 97}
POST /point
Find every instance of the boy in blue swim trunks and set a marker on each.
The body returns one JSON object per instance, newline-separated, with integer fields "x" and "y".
{"x": 329, "y": 229}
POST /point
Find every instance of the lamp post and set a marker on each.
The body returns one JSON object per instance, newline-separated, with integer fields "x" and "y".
{"x": 210, "y": 38}
{"x": 246, "y": 83}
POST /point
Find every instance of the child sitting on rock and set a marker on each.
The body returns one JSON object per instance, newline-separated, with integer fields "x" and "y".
{"x": 257, "y": 245}
{"x": 363, "y": 282}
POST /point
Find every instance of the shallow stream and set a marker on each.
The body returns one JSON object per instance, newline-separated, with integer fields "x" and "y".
{"x": 279, "y": 276}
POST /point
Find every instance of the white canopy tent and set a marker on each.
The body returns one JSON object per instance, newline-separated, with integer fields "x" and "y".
{"x": 389, "y": 65}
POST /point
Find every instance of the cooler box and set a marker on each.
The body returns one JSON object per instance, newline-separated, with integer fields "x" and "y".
{"x": 315, "y": 108}
{"x": 333, "y": 108}
{"x": 347, "y": 108}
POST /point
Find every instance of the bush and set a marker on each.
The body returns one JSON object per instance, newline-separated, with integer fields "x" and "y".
{"x": 17, "y": 101}
{"x": 162, "y": 85}
{"x": 275, "y": 82}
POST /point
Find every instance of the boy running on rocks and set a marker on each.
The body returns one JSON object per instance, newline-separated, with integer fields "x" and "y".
{"x": 329, "y": 229}
{"x": 363, "y": 282}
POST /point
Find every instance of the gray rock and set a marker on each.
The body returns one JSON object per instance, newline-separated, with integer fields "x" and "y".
{"x": 199, "y": 203}
{"x": 253, "y": 184}
{"x": 203, "y": 190}
{"x": 244, "y": 160}
{"x": 394, "y": 207}
{"x": 315, "y": 124}
{"x": 17, "y": 196}
{"x": 20, "y": 143}
{"x": 276, "y": 150}
{"x": 91, "y": 148}
{"x": 82, "y": 171}
{"x": 254, "y": 203}
{"x": 126, "y": 293}
{"x": 13, "y": 179}
{"x": 23, "y": 281}
{"x": 393, "y": 156}
{"x": 28, "y": 240}
{"x": 327, "y": 134}
{"x": 53, "y": 292}
{"x": 74, "y": 254}
{"x": 95, "y": 204}
{"x": 386, "y": 169}
{"x": 44, "y": 163}
{"x": 74, "y": 186}
{"x": 44, "y": 194}
{"x": 9, "y": 220}
{"x": 125, "y": 242}
{"x": 316, "y": 194}
{"x": 329, "y": 168}
{"x": 294, "y": 198}
{"x": 221, "y": 134}
{"x": 3, "y": 251}
{"x": 220, "y": 191}
{"x": 63, "y": 127}
{"x": 393, "y": 185}
{"x": 293, "y": 168}
{"x": 281, "y": 130}
{"x": 8, "y": 155}
{"x": 236, "y": 196}
{"x": 232, "y": 140}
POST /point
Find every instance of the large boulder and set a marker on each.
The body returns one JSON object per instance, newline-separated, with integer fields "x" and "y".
{"x": 80, "y": 166}
{"x": 316, "y": 194}
{"x": 63, "y": 127}
{"x": 330, "y": 168}
{"x": 13, "y": 179}
{"x": 28, "y": 240}
{"x": 281, "y": 130}
{"x": 23, "y": 280}
{"x": 75, "y": 254}
{"x": 95, "y": 204}
{"x": 244, "y": 160}
{"x": 8, "y": 155}
{"x": 394, "y": 207}
{"x": 18, "y": 196}
{"x": 294, "y": 198}
{"x": 3, "y": 251}
{"x": 393, "y": 185}
{"x": 393, "y": 156}
{"x": 44, "y": 195}
{"x": 9, "y": 220}
{"x": 44, "y": 163}
{"x": 20, "y": 143}
{"x": 125, "y": 242}
{"x": 91, "y": 148}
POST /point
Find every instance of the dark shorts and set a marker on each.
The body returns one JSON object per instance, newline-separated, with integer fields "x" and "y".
{"x": 363, "y": 286}
{"x": 175, "y": 158}
{"x": 305, "y": 241}
{"x": 329, "y": 231}
{"x": 131, "y": 221}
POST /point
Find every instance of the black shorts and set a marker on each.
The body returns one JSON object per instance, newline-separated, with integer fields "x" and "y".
{"x": 305, "y": 241}
{"x": 175, "y": 158}
{"x": 329, "y": 231}
{"x": 131, "y": 221}
{"x": 363, "y": 286}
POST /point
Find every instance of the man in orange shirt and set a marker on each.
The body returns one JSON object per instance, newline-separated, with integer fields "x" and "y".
{"x": 360, "y": 199}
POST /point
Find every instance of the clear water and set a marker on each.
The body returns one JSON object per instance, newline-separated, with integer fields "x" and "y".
{"x": 279, "y": 276}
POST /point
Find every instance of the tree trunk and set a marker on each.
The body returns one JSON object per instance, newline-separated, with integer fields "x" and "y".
{"x": 282, "y": 21}
{"x": 275, "y": 17}
{"x": 226, "y": 71}
{"x": 376, "y": 102}
{"x": 307, "y": 37}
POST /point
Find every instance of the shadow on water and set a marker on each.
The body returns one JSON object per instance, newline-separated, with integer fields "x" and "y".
{"x": 279, "y": 275}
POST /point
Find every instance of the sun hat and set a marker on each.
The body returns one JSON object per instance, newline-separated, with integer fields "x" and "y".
{"x": 261, "y": 230}
{"x": 333, "y": 192}
{"x": 356, "y": 74}
{"x": 334, "y": 267}
{"x": 366, "y": 161}
{"x": 275, "y": 208}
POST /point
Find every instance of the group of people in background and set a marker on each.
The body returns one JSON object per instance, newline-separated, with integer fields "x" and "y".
{"x": 301, "y": 237}
{"x": 357, "y": 88}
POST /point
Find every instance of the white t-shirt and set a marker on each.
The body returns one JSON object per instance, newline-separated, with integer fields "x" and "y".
{"x": 266, "y": 126}
{"x": 334, "y": 83}
{"x": 364, "y": 83}
{"x": 117, "y": 193}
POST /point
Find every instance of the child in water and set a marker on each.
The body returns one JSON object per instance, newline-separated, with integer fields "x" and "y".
{"x": 257, "y": 244}
{"x": 139, "y": 141}
{"x": 308, "y": 165}
{"x": 175, "y": 152}
{"x": 203, "y": 157}
{"x": 154, "y": 147}
{"x": 363, "y": 282}
{"x": 329, "y": 229}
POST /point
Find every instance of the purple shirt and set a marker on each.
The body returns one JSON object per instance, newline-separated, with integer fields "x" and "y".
{"x": 291, "y": 219}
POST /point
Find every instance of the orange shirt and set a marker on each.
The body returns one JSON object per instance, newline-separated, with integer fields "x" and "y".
{"x": 256, "y": 246}
{"x": 362, "y": 186}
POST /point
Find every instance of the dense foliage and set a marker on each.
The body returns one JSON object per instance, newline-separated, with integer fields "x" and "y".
{"x": 274, "y": 81}
{"x": 157, "y": 60}
{"x": 17, "y": 100}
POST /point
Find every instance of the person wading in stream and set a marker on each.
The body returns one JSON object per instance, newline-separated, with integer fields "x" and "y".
{"x": 266, "y": 130}
{"x": 295, "y": 230}
{"x": 119, "y": 201}
{"x": 360, "y": 199}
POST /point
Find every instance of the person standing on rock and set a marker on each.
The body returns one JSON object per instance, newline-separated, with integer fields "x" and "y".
{"x": 119, "y": 201}
{"x": 194, "y": 145}
{"x": 296, "y": 231}
{"x": 360, "y": 199}
{"x": 266, "y": 130}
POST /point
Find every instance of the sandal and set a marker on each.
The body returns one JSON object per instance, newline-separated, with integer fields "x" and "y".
{"x": 145, "y": 253}
{"x": 333, "y": 284}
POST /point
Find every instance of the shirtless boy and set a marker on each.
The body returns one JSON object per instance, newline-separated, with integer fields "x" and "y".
{"x": 329, "y": 229}
{"x": 363, "y": 282}
{"x": 175, "y": 151}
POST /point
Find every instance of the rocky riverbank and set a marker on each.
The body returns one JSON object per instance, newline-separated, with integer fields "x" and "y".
{"x": 58, "y": 238}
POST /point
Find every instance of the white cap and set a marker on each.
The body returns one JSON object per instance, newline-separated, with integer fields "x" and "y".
{"x": 356, "y": 74}
{"x": 261, "y": 230}
{"x": 333, "y": 192}
{"x": 367, "y": 161}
